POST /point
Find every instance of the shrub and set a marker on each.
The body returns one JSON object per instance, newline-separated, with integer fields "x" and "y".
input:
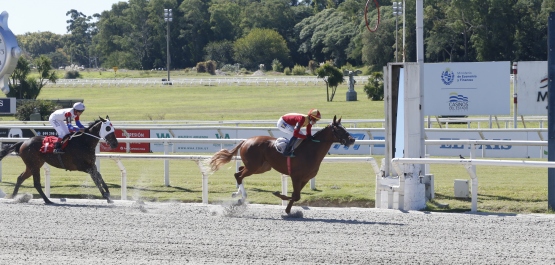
{"x": 244, "y": 71}
{"x": 287, "y": 71}
{"x": 211, "y": 67}
{"x": 374, "y": 87}
{"x": 27, "y": 107}
{"x": 277, "y": 66}
{"x": 229, "y": 68}
{"x": 312, "y": 66}
{"x": 347, "y": 67}
{"x": 299, "y": 70}
{"x": 201, "y": 67}
{"x": 72, "y": 74}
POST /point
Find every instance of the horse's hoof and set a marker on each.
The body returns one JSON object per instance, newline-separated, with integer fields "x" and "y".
{"x": 233, "y": 195}
{"x": 110, "y": 201}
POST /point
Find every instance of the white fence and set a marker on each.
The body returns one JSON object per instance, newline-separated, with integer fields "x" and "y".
{"x": 468, "y": 164}
{"x": 378, "y": 173}
{"x": 195, "y": 158}
{"x": 222, "y": 81}
{"x": 392, "y": 185}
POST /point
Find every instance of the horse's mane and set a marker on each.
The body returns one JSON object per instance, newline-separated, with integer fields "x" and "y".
{"x": 92, "y": 123}
{"x": 316, "y": 133}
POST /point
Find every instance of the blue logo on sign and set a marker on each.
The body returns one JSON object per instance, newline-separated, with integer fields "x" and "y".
{"x": 447, "y": 76}
{"x": 455, "y": 97}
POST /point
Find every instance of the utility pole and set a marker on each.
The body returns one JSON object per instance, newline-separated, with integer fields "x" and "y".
{"x": 397, "y": 11}
{"x": 168, "y": 19}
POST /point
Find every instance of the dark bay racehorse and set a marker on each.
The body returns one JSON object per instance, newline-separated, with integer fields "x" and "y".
{"x": 79, "y": 155}
{"x": 259, "y": 155}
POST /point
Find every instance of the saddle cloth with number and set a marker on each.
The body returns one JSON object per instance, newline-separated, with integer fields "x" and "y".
{"x": 48, "y": 144}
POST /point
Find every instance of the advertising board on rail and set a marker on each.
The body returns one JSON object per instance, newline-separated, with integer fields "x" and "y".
{"x": 133, "y": 147}
{"x": 233, "y": 133}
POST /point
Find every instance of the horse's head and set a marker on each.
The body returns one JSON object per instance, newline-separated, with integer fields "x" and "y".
{"x": 104, "y": 129}
{"x": 340, "y": 133}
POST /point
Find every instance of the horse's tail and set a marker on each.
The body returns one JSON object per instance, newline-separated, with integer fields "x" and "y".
{"x": 223, "y": 156}
{"x": 6, "y": 151}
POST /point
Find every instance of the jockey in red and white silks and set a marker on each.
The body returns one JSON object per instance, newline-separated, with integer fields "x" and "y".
{"x": 61, "y": 119}
{"x": 292, "y": 123}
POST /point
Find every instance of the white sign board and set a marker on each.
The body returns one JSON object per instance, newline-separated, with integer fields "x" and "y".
{"x": 531, "y": 88}
{"x": 233, "y": 133}
{"x": 467, "y": 88}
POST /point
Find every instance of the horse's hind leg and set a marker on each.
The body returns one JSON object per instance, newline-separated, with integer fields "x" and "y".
{"x": 239, "y": 176}
{"x": 22, "y": 177}
{"x": 100, "y": 184}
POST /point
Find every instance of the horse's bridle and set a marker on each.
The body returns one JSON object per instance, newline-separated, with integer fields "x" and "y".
{"x": 340, "y": 137}
{"x": 92, "y": 135}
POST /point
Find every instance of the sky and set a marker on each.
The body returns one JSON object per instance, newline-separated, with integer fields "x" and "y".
{"x": 48, "y": 15}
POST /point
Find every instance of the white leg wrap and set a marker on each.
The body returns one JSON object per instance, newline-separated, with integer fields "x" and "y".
{"x": 242, "y": 191}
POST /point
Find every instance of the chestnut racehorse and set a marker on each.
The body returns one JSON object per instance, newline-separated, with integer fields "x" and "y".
{"x": 79, "y": 154}
{"x": 259, "y": 155}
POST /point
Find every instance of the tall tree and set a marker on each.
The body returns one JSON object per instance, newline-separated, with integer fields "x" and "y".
{"x": 194, "y": 29}
{"x": 225, "y": 19}
{"x": 326, "y": 36}
{"x": 260, "y": 46}
{"x": 78, "y": 42}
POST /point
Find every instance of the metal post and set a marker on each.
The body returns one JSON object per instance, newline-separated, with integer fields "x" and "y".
{"x": 168, "y": 19}
{"x": 396, "y": 42}
{"x": 551, "y": 109}
{"x": 397, "y": 11}
{"x": 515, "y": 108}
{"x": 168, "y": 50}
{"x": 403, "y": 47}
{"x": 166, "y": 165}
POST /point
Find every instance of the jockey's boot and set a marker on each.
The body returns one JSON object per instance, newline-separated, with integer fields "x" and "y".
{"x": 58, "y": 148}
{"x": 290, "y": 147}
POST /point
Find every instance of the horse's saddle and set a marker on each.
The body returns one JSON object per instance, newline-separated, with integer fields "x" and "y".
{"x": 280, "y": 144}
{"x": 49, "y": 143}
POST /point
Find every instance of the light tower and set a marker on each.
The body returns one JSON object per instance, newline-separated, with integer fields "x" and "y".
{"x": 397, "y": 11}
{"x": 168, "y": 19}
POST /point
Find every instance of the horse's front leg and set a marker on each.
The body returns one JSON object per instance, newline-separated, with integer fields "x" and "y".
{"x": 281, "y": 196}
{"x": 296, "y": 196}
{"x": 38, "y": 186}
{"x": 100, "y": 184}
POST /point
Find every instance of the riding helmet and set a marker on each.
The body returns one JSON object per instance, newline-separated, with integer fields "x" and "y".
{"x": 315, "y": 114}
{"x": 79, "y": 106}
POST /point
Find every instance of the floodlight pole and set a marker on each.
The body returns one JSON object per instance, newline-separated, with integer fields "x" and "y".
{"x": 168, "y": 19}
{"x": 397, "y": 11}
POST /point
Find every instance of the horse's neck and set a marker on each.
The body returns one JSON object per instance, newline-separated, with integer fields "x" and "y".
{"x": 94, "y": 131}
{"x": 321, "y": 149}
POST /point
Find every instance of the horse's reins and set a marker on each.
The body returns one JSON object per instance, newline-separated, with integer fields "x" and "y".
{"x": 77, "y": 135}
{"x": 334, "y": 134}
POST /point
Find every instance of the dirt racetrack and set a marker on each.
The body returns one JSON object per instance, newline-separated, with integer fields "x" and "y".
{"x": 95, "y": 232}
